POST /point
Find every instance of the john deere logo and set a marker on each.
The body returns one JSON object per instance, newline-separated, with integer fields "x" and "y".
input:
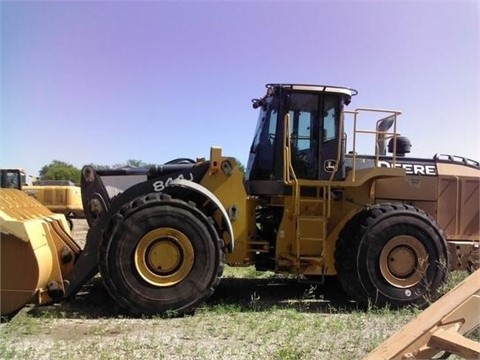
{"x": 329, "y": 165}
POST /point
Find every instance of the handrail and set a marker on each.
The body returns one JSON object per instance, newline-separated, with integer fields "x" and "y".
{"x": 287, "y": 163}
{"x": 356, "y": 131}
{"x": 455, "y": 159}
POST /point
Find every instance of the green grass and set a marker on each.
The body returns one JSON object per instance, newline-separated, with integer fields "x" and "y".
{"x": 248, "y": 272}
{"x": 269, "y": 317}
{"x": 274, "y": 334}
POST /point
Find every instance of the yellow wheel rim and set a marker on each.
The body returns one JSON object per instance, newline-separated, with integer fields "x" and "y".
{"x": 164, "y": 257}
{"x": 404, "y": 261}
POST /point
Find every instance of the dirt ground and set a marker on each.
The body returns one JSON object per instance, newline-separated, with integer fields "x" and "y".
{"x": 79, "y": 231}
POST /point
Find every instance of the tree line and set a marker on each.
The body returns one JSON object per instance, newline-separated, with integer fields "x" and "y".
{"x": 61, "y": 170}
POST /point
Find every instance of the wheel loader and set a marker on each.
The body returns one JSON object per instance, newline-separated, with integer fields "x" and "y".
{"x": 387, "y": 226}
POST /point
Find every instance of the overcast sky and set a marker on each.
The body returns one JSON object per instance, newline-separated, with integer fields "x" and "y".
{"x": 103, "y": 82}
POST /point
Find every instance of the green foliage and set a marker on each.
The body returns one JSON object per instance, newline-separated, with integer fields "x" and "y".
{"x": 240, "y": 166}
{"x": 60, "y": 170}
{"x": 131, "y": 163}
{"x": 246, "y": 273}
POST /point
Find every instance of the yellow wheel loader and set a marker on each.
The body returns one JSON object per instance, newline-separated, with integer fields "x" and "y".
{"x": 389, "y": 227}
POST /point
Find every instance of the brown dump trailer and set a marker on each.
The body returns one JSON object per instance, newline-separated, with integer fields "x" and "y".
{"x": 389, "y": 227}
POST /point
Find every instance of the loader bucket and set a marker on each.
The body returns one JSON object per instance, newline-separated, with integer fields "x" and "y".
{"x": 36, "y": 251}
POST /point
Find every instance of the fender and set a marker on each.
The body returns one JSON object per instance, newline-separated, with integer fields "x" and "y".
{"x": 87, "y": 264}
{"x": 200, "y": 191}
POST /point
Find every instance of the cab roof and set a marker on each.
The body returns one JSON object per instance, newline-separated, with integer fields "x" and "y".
{"x": 316, "y": 88}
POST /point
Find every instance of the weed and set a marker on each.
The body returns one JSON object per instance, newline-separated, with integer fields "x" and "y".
{"x": 309, "y": 294}
{"x": 307, "y": 297}
{"x": 254, "y": 301}
{"x": 220, "y": 309}
{"x": 289, "y": 352}
{"x": 169, "y": 314}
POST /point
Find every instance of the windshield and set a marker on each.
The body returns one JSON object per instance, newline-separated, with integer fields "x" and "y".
{"x": 265, "y": 130}
{"x": 262, "y": 154}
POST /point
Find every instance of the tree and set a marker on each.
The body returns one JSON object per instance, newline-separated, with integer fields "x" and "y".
{"x": 241, "y": 166}
{"x": 131, "y": 163}
{"x": 60, "y": 170}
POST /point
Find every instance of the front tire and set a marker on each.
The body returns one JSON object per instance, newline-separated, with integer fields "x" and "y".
{"x": 162, "y": 255}
{"x": 391, "y": 254}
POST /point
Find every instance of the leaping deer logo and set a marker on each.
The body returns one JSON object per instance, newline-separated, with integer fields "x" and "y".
{"x": 330, "y": 165}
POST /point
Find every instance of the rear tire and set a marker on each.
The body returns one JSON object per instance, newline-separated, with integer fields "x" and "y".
{"x": 162, "y": 255}
{"x": 391, "y": 254}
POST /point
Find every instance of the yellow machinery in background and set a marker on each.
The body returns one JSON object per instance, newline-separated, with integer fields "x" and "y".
{"x": 59, "y": 196}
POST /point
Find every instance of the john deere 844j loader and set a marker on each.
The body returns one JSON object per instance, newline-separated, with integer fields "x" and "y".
{"x": 387, "y": 226}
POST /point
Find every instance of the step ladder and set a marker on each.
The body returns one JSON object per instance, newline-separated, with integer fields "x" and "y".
{"x": 311, "y": 215}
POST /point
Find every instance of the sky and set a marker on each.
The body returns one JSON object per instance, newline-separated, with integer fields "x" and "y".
{"x": 107, "y": 81}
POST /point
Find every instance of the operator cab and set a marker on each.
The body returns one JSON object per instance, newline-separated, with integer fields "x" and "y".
{"x": 315, "y": 136}
{"x": 12, "y": 178}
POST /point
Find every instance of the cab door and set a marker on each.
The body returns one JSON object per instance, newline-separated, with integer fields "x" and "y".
{"x": 331, "y": 149}
{"x": 315, "y": 136}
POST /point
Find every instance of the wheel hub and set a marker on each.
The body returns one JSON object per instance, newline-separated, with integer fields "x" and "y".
{"x": 403, "y": 261}
{"x": 164, "y": 257}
